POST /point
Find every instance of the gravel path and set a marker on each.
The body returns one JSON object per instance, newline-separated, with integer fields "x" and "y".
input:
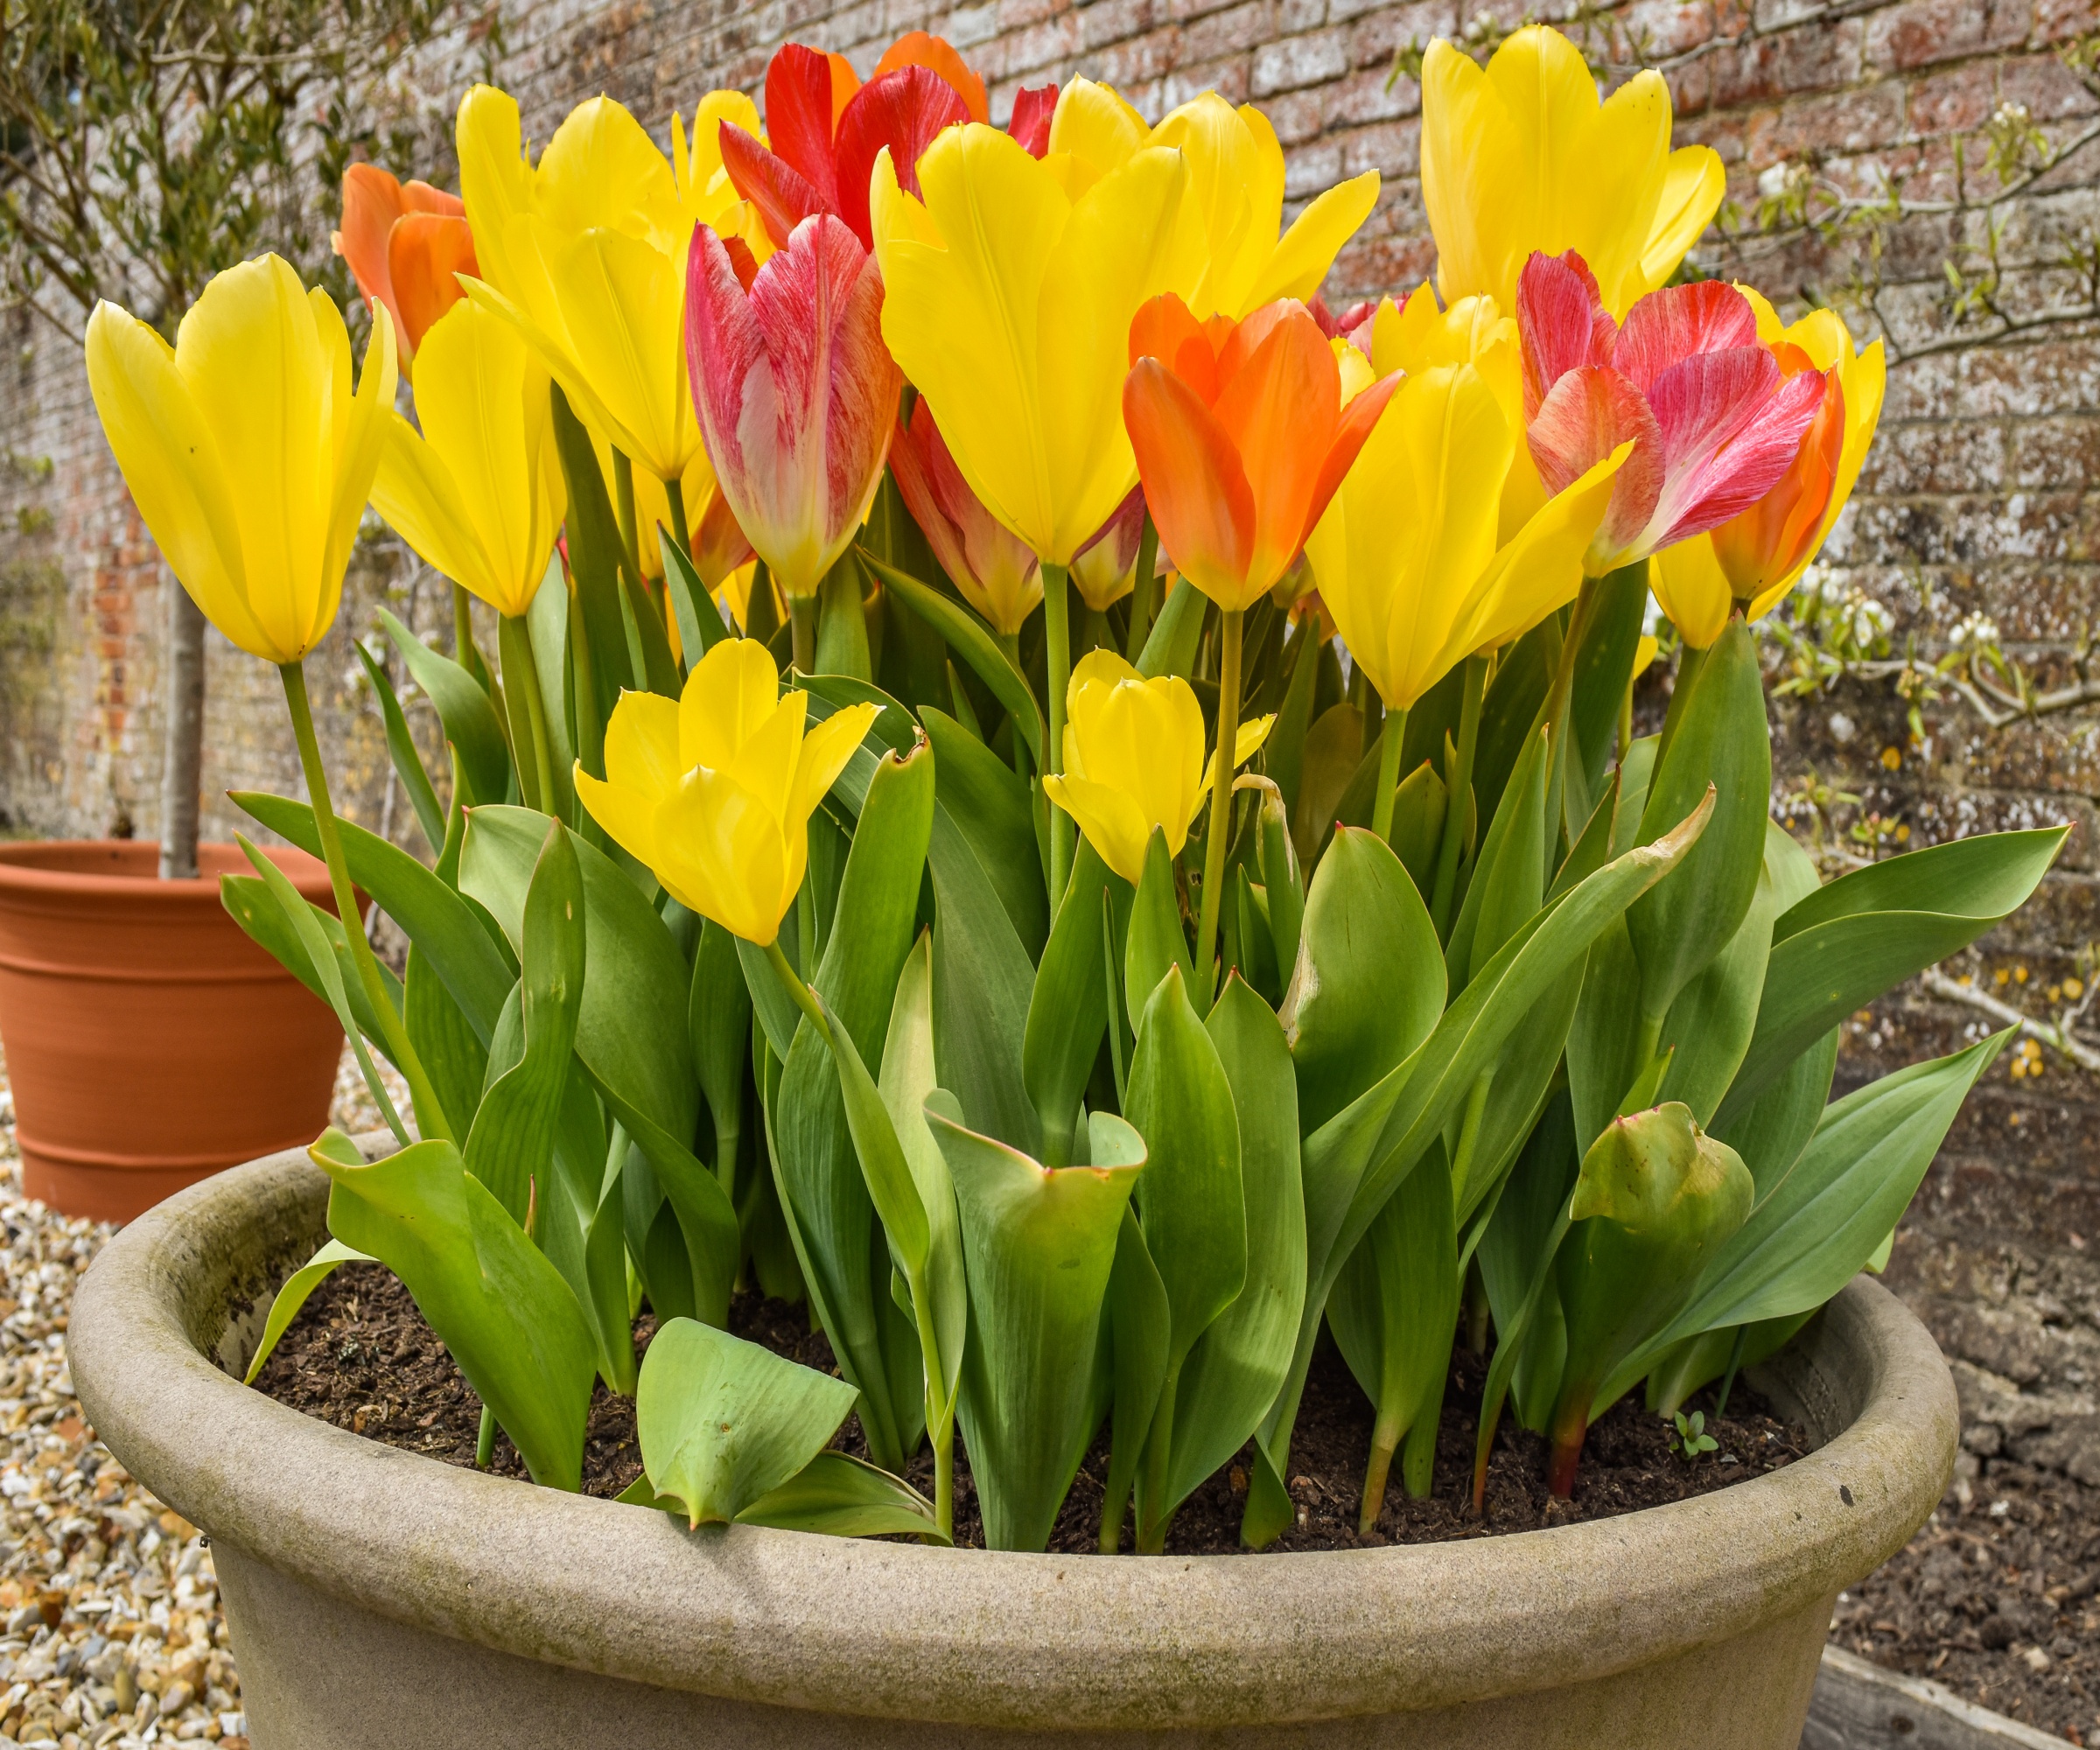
{"x": 110, "y": 1630}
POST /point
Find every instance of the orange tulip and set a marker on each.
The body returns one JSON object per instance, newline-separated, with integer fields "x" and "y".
{"x": 1759, "y": 546}
{"x": 1241, "y": 436}
{"x": 406, "y": 243}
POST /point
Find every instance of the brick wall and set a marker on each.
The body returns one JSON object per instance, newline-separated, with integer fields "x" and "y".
{"x": 1979, "y": 499}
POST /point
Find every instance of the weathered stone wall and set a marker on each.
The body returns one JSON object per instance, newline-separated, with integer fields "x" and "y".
{"x": 1980, "y": 500}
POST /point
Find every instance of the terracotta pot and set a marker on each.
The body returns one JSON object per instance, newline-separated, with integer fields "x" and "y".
{"x": 149, "y": 1041}
{"x": 377, "y": 1598}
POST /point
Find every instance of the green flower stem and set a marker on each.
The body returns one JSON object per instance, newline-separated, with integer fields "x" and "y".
{"x": 623, "y": 485}
{"x": 1221, "y": 798}
{"x": 1144, "y": 600}
{"x": 1057, "y": 639}
{"x": 801, "y": 615}
{"x": 1152, "y": 1521}
{"x": 430, "y": 1117}
{"x": 1735, "y": 1360}
{"x": 1455, "y": 808}
{"x": 791, "y": 982}
{"x": 674, "y": 491}
{"x": 944, "y": 1482}
{"x": 462, "y": 626}
{"x": 1689, "y": 662}
{"x": 1392, "y": 736}
{"x": 484, "y": 1438}
{"x": 521, "y": 672}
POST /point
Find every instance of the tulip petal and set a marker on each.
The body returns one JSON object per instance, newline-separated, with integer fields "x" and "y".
{"x": 723, "y": 853}
{"x": 628, "y": 817}
{"x": 1679, "y": 322}
{"x": 1588, "y": 415}
{"x": 917, "y": 48}
{"x": 644, "y": 754}
{"x": 1358, "y": 418}
{"x": 372, "y": 200}
{"x": 171, "y": 465}
{"x": 425, "y": 254}
{"x": 1033, "y": 105}
{"x": 1193, "y": 482}
{"x": 1694, "y": 183}
{"x": 1279, "y": 410}
{"x": 902, "y": 110}
{"x": 1692, "y": 590}
{"x": 495, "y": 180}
{"x": 1301, "y": 260}
{"x": 783, "y": 196}
{"x": 825, "y": 750}
{"x": 1722, "y": 456}
{"x": 1112, "y": 823}
{"x": 602, "y": 171}
{"x": 799, "y": 117}
{"x": 414, "y": 491}
{"x": 361, "y": 442}
{"x": 1774, "y": 538}
{"x": 417, "y": 196}
{"x": 731, "y": 694}
{"x": 1564, "y": 325}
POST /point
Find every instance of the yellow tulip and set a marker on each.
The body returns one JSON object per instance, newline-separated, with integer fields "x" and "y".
{"x": 1229, "y": 260}
{"x": 705, "y": 192}
{"x": 479, "y": 494}
{"x": 713, "y": 794}
{"x": 584, "y": 255}
{"x": 653, "y": 502}
{"x": 1521, "y": 155}
{"x": 1008, "y": 303}
{"x": 1419, "y": 335}
{"x": 1688, "y": 579}
{"x": 1407, "y": 556}
{"x": 247, "y": 453}
{"x": 1134, "y": 759}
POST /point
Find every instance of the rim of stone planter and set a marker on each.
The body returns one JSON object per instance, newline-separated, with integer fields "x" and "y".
{"x": 969, "y": 1637}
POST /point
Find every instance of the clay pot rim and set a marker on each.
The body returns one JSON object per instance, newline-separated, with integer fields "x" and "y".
{"x": 23, "y": 879}
{"x": 906, "y": 1631}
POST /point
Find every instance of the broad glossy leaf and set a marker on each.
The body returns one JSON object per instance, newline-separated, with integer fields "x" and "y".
{"x": 470, "y": 720}
{"x": 1067, "y": 1011}
{"x": 1681, "y": 923}
{"x": 549, "y": 620}
{"x": 1156, "y": 942}
{"x": 297, "y": 1290}
{"x": 1190, "y": 1200}
{"x": 969, "y": 639}
{"x": 1771, "y": 1131}
{"x": 1510, "y": 711}
{"x": 492, "y": 1297}
{"x": 1850, "y": 1188}
{"x": 1284, "y": 752}
{"x": 1847, "y": 943}
{"x": 1509, "y": 876}
{"x": 401, "y": 749}
{"x": 1039, "y": 1243}
{"x": 1368, "y": 984}
{"x": 723, "y": 1423}
{"x": 594, "y": 562}
{"x": 455, "y": 1060}
{"x": 249, "y": 902}
{"x": 718, "y": 1022}
{"x": 1418, "y": 806}
{"x": 1604, "y": 668}
{"x": 511, "y": 1144}
{"x": 1139, "y": 1322}
{"x": 839, "y": 1495}
{"x": 1333, "y": 751}
{"x": 1232, "y": 1373}
{"x": 990, "y": 808}
{"x": 700, "y": 624}
{"x": 1170, "y": 648}
{"x": 814, "y": 1153}
{"x": 433, "y": 916}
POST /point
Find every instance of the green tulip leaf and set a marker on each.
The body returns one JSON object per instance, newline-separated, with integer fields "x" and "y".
{"x": 1170, "y": 648}
{"x": 1847, "y": 943}
{"x": 401, "y": 749}
{"x": 297, "y": 1291}
{"x": 723, "y": 1423}
{"x": 1039, "y": 1243}
{"x": 842, "y": 1497}
{"x": 718, "y": 1022}
{"x": 470, "y": 720}
{"x": 1155, "y": 941}
{"x": 1509, "y": 874}
{"x": 990, "y": 808}
{"x": 1067, "y": 1010}
{"x": 495, "y": 1302}
{"x": 1369, "y": 985}
{"x": 700, "y": 624}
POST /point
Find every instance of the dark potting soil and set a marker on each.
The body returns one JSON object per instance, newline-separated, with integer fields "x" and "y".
{"x": 359, "y": 1355}
{"x": 1997, "y": 1597}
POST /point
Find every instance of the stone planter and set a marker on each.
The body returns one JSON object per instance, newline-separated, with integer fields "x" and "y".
{"x": 378, "y": 1598}
{"x": 149, "y": 1041}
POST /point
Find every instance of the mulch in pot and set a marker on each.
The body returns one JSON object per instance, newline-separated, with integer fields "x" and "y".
{"x": 360, "y": 1356}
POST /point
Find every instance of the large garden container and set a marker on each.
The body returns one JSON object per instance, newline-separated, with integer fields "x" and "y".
{"x": 379, "y": 1599}
{"x": 149, "y": 1042}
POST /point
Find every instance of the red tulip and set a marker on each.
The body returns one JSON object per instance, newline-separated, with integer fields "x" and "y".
{"x": 795, "y": 392}
{"x": 1714, "y": 422}
{"x": 824, "y": 144}
{"x": 405, "y": 243}
{"x": 1241, "y": 436}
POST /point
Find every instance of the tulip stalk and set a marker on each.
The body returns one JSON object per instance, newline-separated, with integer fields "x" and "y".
{"x": 394, "y": 1039}
{"x": 1392, "y": 736}
{"x": 1457, "y": 803}
{"x": 630, "y": 536}
{"x": 522, "y": 674}
{"x": 1221, "y": 798}
{"x": 1057, "y": 640}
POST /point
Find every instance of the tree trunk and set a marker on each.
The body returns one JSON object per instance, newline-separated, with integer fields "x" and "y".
{"x": 181, "y": 776}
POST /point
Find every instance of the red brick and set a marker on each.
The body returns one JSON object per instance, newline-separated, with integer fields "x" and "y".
{"x": 1920, "y": 32}
{"x": 1299, "y": 61}
{"x": 1960, "y": 100}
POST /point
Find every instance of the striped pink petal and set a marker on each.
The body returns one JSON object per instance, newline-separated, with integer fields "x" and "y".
{"x": 799, "y": 117}
{"x": 1033, "y": 109}
{"x": 796, "y": 391}
{"x": 1680, "y": 322}
{"x": 904, "y": 111}
{"x": 1710, "y": 483}
{"x": 1563, "y": 322}
{"x": 783, "y": 195}
{"x": 1586, "y": 416}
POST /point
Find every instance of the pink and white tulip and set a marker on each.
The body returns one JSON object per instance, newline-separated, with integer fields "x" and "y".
{"x": 796, "y": 392}
{"x": 1714, "y": 420}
